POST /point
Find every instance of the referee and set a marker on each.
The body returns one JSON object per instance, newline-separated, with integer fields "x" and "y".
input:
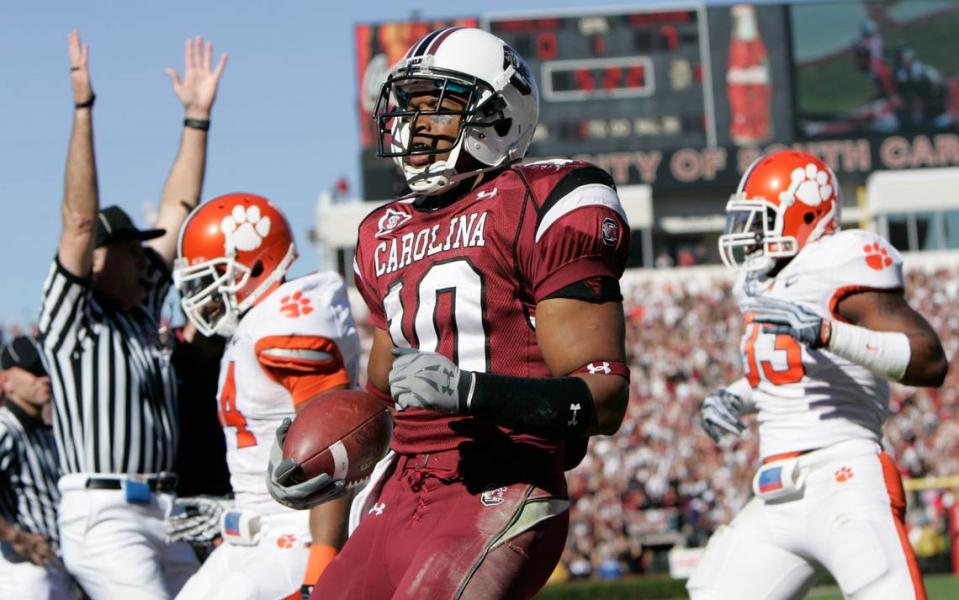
{"x": 113, "y": 386}
{"x": 29, "y": 567}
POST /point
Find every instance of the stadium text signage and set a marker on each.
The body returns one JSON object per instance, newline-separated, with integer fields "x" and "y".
{"x": 724, "y": 165}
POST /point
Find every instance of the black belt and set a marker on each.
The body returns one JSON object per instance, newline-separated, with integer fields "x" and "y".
{"x": 156, "y": 484}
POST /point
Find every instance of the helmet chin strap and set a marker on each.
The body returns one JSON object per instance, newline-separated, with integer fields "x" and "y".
{"x": 277, "y": 275}
{"x": 440, "y": 177}
{"x": 436, "y": 177}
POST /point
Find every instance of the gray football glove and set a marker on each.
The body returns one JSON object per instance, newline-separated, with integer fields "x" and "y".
{"x": 427, "y": 380}
{"x": 790, "y": 318}
{"x": 281, "y": 481}
{"x": 719, "y": 414}
{"x": 198, "y": 521}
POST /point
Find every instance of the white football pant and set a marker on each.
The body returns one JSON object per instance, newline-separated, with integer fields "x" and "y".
{"x": 848, "y": 518}
{"x": 271, "y": 569}
{"x": 117, "y": 549}
{"x": 21, "y": 579}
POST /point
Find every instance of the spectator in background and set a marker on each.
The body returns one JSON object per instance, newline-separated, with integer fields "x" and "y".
{"x": 29, "y": 564}
{"x": 921, "y": 89}
{"x": 113, "y": 386}
{"x": 683, "y": 340}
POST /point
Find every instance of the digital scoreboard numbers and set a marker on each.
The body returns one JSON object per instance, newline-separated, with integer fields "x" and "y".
{"x": 616, "y": 81}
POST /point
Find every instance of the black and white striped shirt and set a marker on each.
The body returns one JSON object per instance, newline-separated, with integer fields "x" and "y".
{"x": 114, "y": 388}
{"x": 28, "y": 472}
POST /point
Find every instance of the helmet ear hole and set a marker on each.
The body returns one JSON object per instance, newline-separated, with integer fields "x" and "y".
{"x": 808, "y": 217}
{"x": 502, "y": 126}
{"x": 257, "y": 269}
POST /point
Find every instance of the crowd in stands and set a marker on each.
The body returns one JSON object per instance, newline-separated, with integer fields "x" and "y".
{"x": 662, "y": 481}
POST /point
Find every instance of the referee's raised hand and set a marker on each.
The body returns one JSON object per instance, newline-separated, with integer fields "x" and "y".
{"x": 79, "y": 54}
{"x": 197, "y": 88}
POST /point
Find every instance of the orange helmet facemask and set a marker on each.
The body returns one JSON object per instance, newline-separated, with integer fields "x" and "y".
{"x": 785, "y": 200}
{"x": 231, "y": 252}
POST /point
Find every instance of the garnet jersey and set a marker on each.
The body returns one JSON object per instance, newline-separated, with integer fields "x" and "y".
{"x": 464, "y": 279}
{"x": 297, "y": 342}
{"x": 810, "y": 399}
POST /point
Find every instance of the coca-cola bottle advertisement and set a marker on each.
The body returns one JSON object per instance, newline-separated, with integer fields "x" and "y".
{"x": 749, "y": 81}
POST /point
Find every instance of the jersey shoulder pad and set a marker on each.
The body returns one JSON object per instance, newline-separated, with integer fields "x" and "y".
{"x": 855, "y": 258}
{"x": 313, "y": 305}
{"x": 555, "y": 178}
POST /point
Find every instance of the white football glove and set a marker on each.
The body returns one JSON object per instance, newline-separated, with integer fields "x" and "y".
{"x": 719, "y": 414}
{"x": 427, "y": 380}
{"x": 282, "y": 483}
{"x": 198, "y": 520}
{"x": 790, "y": 318}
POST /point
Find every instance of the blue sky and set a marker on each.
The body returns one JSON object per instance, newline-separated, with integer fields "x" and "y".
{"x": 284, "y": 124}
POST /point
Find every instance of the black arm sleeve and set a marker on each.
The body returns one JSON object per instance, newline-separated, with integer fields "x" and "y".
{"x": 555, "y": 408}
{"x": 598, "y": 290}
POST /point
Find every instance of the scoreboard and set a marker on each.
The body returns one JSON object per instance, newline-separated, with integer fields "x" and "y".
{"x": 618, "y": 80}
{"x": 692, "y": 92}
{"x": 654, "y": 94}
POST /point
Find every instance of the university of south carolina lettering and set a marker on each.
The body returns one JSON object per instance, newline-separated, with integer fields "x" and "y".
{"x": 462, "y": 231}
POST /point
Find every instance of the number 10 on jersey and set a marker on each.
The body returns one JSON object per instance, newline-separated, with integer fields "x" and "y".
{"x": 461, "y": 331}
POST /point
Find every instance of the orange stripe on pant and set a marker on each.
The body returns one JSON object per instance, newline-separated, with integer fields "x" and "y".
{"x": 897, "y": 503}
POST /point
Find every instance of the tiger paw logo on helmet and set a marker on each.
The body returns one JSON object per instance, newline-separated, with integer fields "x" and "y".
{"x": 809, "y": 185}
{"x": 245, "y": 228}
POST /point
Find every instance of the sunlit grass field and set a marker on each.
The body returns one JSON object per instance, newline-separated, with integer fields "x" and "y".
{"x": 938, "y": 587}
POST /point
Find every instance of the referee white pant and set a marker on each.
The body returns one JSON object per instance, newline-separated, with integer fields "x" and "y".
{"x": 847, "y": 518}
{"x": 21, "y": 579}
{"x": 119, "y": 549}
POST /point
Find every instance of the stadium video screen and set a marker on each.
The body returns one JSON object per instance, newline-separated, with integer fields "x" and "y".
{"x": 875, "y": 67}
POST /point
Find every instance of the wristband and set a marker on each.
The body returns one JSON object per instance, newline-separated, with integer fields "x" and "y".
{"x": 240, "y": 527}
{"x": 201, "y": 124}
{"x": 742, "y": 389}
{"x": 321, "y": 555}
{"x": 604, "y": 367}
{"x": 885, "y": 353}
{"x": 88, "y": 103}
{"x": 555, "y": 408}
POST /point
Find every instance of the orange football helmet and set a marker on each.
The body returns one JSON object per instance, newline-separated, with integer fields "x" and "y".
{"x": 232, "y": 250}
{"x": 785, "y": 200}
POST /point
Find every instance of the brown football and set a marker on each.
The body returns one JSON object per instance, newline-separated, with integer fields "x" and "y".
{"x": 342, "y": 433}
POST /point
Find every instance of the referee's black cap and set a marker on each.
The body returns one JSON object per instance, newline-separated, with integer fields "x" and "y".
{"x": 22, "y": 352}
{"x": 114, "y": 226}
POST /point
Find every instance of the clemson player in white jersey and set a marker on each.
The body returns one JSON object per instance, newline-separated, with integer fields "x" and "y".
{"x": 827, "y": 327}
{"x": 289, "y": 341}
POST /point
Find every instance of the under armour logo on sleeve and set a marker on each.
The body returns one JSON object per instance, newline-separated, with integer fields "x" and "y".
{"x": 602, "y": 367}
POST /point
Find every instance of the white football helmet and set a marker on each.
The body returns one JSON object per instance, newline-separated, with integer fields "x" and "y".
{"x": 498, "y": 120}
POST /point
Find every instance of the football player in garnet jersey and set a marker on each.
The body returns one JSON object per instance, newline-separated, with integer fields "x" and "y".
{"x": 499, "y": 331}
{"x": 288, "y": 342}
{"x": 826, "y": 328}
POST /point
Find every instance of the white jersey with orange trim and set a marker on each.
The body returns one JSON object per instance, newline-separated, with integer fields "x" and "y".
{"x": 297, "y": 342}
{"x": 810, "y": 399}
